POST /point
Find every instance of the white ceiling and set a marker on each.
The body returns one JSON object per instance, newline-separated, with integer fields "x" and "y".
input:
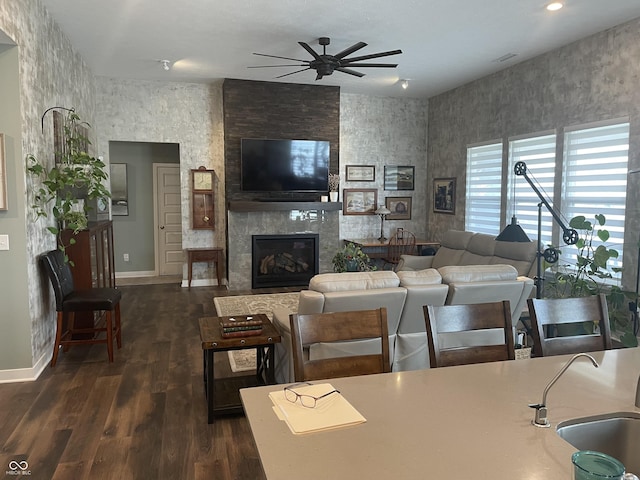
{"x": 445, "y": 44}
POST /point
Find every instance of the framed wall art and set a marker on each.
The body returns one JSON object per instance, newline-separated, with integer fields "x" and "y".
{"x": 444, "y": 195}
{"x": 398, "y": 178}
{"x": 361, "y": 173}
{"x": 119, "y": 191}
{"x": 3, "y": 176}
{"x": 400, "y": 208}
{"x": 359, "y": 201}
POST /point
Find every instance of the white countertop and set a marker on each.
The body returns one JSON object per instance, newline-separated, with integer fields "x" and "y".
{"x": 467, "y": 422}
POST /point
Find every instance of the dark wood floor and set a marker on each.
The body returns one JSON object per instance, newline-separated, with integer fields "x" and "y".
{"x": 143, "y": 416}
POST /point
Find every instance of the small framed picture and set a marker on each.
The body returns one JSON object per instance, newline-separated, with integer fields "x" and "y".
{"x": 361, "y": 173}
{"x": 444, "y": 195}
{"x": 400, "y": 208}
{"x": 359, "y": 201}
{"x": 398, "y": 178}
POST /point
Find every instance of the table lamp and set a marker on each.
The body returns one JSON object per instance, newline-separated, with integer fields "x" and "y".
{"x": 382, "y": 212}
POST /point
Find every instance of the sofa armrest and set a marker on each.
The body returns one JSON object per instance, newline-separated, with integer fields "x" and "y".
{"x": 414, "y": 262}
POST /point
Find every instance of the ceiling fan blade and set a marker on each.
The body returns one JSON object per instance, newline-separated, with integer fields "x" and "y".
{"x": 377, "y": 65}
{"x": 373, "y": 55}
{"x": 312, "y": 52}
{"x": 350, "y": 50}
{"x": 350, "y": 72}
{"x": 291, "y": 73}
{"x": 270, "y": 66}
{"x": 282, "y": 58}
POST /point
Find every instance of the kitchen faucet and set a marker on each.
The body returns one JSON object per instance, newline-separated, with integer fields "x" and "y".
{"x": 540, "y": 419}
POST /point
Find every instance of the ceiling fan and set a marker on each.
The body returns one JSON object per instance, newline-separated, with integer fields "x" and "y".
{"x": 326, "y": 64}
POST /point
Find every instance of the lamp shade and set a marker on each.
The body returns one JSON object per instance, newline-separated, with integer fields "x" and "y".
{"x": 513, "y": 233}
{"x": 382, "y": 211}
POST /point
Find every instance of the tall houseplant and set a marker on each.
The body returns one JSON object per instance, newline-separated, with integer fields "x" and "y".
{"x": 75, "y": 177}
{"x": 592, "y": 275}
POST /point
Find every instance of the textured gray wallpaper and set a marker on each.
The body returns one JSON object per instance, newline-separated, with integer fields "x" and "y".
{"x": 594, "y": 79}
{"x": 51, "y": 73}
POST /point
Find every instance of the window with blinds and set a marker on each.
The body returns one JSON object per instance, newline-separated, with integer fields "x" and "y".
{"x": 539, "y": 155}
{"x": 595, "y": 180}
{"x": 483, "y": 188}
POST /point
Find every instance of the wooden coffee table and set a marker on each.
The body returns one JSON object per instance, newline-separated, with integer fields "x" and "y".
{"x": 212, "y": 341}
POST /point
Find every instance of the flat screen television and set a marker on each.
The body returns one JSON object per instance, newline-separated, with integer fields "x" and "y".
{"x": 284, "y": 165}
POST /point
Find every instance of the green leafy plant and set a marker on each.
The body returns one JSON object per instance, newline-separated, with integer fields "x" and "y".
{"x": 351, "y": 258}
{"x": 592, "y": 275}
{"x": 75, "y": 175}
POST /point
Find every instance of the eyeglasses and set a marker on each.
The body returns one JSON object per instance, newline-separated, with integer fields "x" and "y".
{"x": 308, "y": 401}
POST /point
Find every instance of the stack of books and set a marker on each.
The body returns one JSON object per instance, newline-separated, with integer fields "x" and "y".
{"x": 243, "y": 327}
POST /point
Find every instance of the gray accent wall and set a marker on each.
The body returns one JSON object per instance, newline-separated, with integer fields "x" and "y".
{"x": 49, "y": 73}
{"x": 594, "y": 79}
{"x": 134, "y": 233}
{"x": 384, "y": 131}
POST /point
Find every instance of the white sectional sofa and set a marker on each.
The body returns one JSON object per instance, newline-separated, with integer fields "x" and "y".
{"x": 337, "y": 292}
{"x": 403, "y": 294}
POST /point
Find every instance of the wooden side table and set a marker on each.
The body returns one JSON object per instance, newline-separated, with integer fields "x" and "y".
{"x": 207, "y": 254}
{"x": 212, "y": 341}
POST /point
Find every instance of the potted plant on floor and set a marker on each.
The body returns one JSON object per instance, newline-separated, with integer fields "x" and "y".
{"x": 591, "y": 275}
{"x": 351, "y": 258}
{"x": 75, "y": 177}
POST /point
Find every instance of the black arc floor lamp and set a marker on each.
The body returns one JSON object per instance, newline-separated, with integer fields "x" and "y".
{"x": 569, "y": 235}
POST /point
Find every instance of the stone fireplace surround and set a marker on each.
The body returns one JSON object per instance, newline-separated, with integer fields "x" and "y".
{"x": 242, "y": 225}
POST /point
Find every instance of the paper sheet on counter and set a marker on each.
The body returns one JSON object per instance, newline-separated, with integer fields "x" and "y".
{"x": 330, "y": 412}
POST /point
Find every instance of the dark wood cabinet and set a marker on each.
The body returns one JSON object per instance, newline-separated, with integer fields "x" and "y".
{"x": 93, "y": 261}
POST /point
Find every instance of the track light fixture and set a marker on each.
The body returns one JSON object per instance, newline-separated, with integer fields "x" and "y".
{"x": 166, "y": 65}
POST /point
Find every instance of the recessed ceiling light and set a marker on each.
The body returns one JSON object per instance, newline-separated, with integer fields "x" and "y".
{"x": 553, "y": 6}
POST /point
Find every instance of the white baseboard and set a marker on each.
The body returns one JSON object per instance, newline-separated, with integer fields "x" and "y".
{"x": 202, "y": 282}
{"x": 149, "y": 273}
{"x": 26, "y": 374}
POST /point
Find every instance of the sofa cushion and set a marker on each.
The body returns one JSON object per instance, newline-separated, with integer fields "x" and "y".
{"x": 347, "y": 281}
{"x": 428, "y": 276}
{"x": 520, "y": 255}
{"x": 477, "y": 273}
{"x": 452, "y": 247}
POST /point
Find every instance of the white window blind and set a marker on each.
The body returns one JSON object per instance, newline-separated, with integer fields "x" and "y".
{"x": 539, "y": 155}
{"x": 483, "y": 188}
{"x": 595, "y": 181}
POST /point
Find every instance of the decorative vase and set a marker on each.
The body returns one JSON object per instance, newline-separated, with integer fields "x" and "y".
{"x": 333, "y": 196}
{"x": 352, "y": 265}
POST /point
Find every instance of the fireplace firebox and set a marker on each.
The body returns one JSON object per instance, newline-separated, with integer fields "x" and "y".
{"x": 284, "y": 260}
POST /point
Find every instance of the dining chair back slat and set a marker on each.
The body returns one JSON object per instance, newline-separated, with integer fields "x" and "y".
{"x": 549, "y": 314}
{"x": 310, "y": 329}
{"x": 468, "y": 318}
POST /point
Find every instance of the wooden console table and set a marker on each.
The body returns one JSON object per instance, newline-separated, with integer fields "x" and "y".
{"x": 374, "y": 248}
{"x": 207, "y": 254}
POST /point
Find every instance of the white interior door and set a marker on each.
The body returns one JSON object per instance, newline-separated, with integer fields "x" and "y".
{"x": 169, "y": 254}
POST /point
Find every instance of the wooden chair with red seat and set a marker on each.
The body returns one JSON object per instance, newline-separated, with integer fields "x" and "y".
{"x": 69, "y": 301}
{"x": 468, "y": 319}
{"x": 310, "y": 329}
{"x": 548, "y": 314}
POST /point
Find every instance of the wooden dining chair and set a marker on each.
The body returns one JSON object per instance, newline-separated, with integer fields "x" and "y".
{"x": 468, "y": 320}
{"x": 310, "y": 329}
{"x": 69, "y": 300}
{"x": 549, "y": 316}
{"x": 401, "y": 243}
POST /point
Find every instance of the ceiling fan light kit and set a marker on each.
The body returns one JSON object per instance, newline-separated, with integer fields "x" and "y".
{"x": 325, "y": 64}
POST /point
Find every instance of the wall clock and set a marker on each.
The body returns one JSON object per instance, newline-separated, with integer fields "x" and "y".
{"x": 202, "y": 204}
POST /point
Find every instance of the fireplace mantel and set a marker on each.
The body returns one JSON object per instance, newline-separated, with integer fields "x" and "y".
{"x": 267, "y": 206}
